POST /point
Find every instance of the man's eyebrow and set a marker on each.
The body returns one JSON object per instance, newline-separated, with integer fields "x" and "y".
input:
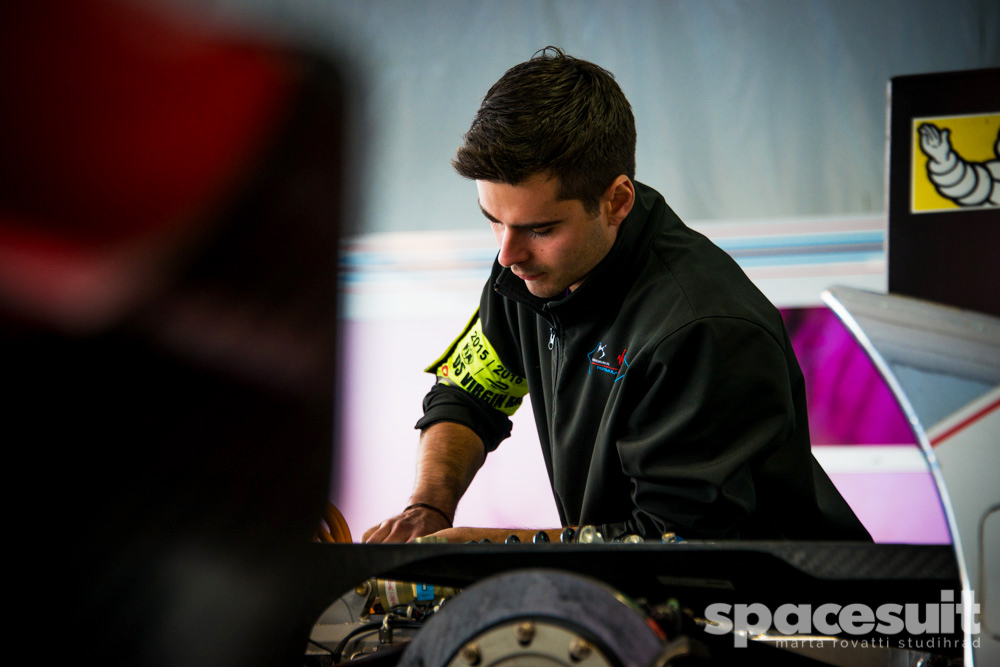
{"x": 526, "y": 226}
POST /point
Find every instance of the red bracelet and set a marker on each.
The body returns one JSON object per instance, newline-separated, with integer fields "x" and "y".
{"x": 431, "y": 508}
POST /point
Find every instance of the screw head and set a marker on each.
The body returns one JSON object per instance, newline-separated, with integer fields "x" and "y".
{"x": 579, "y": 649}
{"x": 524, "y": 632}
{"x": 470, "y": 654}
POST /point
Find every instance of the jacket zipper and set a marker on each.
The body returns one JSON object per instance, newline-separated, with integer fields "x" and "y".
{"x": 554, "y": 339}
{"x": 554, "y": 352}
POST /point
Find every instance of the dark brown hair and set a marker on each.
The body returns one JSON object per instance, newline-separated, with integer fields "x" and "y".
{"x": 552, "y": 114}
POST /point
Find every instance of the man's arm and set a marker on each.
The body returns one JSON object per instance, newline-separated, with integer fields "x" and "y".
{"x": 462, "y": 534}
{"x": 466, "y": 413}
{"x": 449, "y": 457}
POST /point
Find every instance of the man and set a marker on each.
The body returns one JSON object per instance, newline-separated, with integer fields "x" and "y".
{"x": 664, "y": 388}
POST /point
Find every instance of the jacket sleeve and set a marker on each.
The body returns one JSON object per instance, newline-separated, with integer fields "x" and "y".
{"x": 715, "y": 396}
{"x": 474, "y": 387}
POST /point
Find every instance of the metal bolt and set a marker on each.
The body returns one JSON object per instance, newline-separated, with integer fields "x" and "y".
{"x": 385, "y": 631}
{"x": 524, "y": 632}
{"x": 470, "y": 654}
{"x": 579, "y": 649}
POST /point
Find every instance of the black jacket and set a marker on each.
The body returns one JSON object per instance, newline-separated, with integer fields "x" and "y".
{"x": 665, "y": 391}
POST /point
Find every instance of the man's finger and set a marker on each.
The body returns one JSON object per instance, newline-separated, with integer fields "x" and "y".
{"x": 376, "y": 533}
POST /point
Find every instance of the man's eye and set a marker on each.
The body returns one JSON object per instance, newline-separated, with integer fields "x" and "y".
{"x": 536, "y": 233}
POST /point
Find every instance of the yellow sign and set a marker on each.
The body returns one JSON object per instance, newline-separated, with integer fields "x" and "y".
{"x": 956, "y": 163}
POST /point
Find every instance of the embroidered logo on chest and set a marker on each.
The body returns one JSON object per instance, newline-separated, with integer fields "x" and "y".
{"x": 603, "y": 360}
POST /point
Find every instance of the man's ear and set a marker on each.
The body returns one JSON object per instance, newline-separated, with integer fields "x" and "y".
{"x": 618, "y": 199}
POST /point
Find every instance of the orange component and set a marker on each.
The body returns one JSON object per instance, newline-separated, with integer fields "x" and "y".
{"x": 334, "y": 527}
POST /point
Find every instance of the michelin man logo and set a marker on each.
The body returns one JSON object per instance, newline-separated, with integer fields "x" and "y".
{"x": 962, "y": 163}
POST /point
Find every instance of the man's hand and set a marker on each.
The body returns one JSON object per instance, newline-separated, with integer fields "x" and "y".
{"x": 449, "y": 456}
{"x": 406, "y": 526}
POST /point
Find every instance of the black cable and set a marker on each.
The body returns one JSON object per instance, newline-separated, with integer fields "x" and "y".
{"x": 367, "y": 627}
{"x": 318, "y": 645}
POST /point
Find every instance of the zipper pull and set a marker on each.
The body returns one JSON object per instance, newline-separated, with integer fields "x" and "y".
{"x": 552, "y": 338}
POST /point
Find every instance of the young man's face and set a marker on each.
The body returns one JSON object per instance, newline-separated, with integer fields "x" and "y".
{"x": 550, "y": 244}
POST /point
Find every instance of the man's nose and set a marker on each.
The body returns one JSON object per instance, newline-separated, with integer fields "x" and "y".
{"x": 513, "y": 249}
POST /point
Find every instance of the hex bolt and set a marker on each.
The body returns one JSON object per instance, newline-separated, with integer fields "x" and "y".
{"x": 470, "y": 654}
{"x": 524, "y": 632}
{"x": 579, "y": 649}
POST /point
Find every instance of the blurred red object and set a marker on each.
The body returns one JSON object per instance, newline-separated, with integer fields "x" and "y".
{"x": 122, "y": 127}
{"x": 169, "y": 215}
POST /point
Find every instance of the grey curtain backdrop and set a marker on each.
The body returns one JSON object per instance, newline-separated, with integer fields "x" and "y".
{"x": 745, "y": 109}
